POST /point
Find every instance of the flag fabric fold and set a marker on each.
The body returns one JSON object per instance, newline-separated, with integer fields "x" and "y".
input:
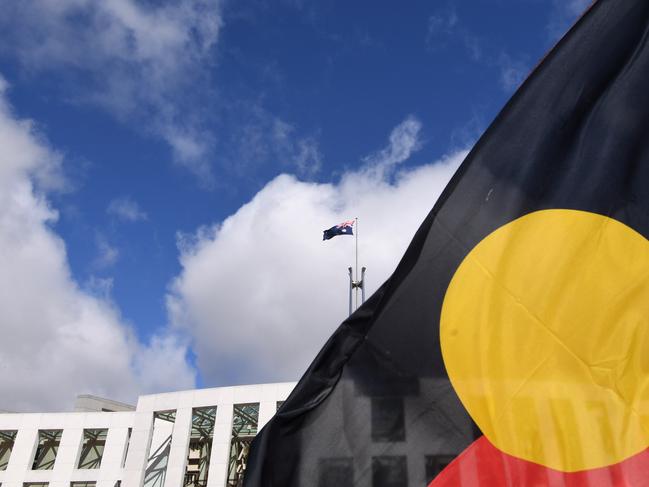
{"x": 344, "y": 228}
{"x": 508, "y": 347}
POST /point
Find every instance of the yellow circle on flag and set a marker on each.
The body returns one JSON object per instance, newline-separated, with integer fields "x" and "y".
{"x": 545, "y": 337}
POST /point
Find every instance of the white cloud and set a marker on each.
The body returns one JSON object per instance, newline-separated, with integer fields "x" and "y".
{"x": 261, "y": 292}
{"x": 512, "y": 72}
{"x": 107, "y": 255}
{"x": 276, "y": 138}
{"x": 59, "y": 340}
{"x": 307, "y": 157}
{"x": 262, "y": 137}
{"x": 404, "y": 140}
{"x": 145, "y": 63}
{"x": 444, "y": 26}
{"x": 100, "y": 287}
{"x": 126, "y": 209}
{"x": 442, "y": 22}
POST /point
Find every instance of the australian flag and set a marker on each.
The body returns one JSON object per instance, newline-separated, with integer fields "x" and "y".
{"x": 345, "y": 228}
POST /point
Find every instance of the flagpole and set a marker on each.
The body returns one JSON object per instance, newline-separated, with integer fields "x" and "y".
{"x": 356, "y": 275}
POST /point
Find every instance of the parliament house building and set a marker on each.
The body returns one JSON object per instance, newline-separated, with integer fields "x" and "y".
{"x": 196, "y": 438}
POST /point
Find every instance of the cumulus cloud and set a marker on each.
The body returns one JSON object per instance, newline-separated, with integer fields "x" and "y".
{"x": 126, "y": 209}
{"x": 58, "y": 339}
{"x": 143, "y": 62}
{"x": 260, "y": 292}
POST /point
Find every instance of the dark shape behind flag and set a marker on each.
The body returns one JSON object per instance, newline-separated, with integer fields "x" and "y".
{"x": 509, "y": 346}
{"x": 345, "y": 228}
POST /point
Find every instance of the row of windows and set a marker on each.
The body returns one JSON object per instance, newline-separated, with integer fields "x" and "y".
{"x": 244, "y": 428}
{"x": 92, "y": 448}
{"x": 245, "y": 422}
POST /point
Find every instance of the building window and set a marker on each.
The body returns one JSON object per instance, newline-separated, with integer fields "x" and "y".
{"x": 388, "y": 419}
{"x": 83, "y": 484}
{"x": 389, "y": 471}
{"x": 48, "y": 446}
{"x": 7, "y": 439}
{"x": 128, "y": 442}
{"x": 163, "y": 428}
{"x": 200, "y": 447}
{"x": 35, "y": 484}
{"x": 92, "y": 449}
{"x": 118, "y": 483}
{"x": 244, "y": 428}
{"x": 336, "y": 472}
{"x": 435, "y": 464}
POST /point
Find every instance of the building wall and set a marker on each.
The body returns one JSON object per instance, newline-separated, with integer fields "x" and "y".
{"x": 131, "y": 472}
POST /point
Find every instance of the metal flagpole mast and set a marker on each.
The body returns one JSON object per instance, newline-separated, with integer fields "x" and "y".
{"x": 356, "y": 268}
{"x": 354, "y": 282}
{"x": 351, "y": 286}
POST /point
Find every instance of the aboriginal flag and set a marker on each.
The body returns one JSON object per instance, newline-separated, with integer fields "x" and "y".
{"x": 511, "y": 345}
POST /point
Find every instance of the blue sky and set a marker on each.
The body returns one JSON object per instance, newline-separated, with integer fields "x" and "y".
{"x": 183, "y": 157}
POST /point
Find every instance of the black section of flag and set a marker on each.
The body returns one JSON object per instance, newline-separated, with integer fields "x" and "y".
{"x": 377, "y": 401}
{"x": 345, "y": 228}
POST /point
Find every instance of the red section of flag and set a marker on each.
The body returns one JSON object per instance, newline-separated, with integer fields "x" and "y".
{"x": 483, "y": 465}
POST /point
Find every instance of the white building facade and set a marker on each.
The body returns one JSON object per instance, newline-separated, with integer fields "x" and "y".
{"x": 196, "y": 438}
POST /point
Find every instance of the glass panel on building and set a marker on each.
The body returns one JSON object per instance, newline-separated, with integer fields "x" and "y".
{"x": 35, "y": 484}
{"x": 435, "y": 464}
{"x": 200, "y": 447}
{"x": 163, "y": 428}
{"x": 7, "y": 439}
{"x": 48, "y": 446}
{"x": 128, "y": 442}
{"x": 83, "y": 484}
{"x": 336, "y": 472}
{"x": 389, "y": 471}
{"x": 388, "y": 419}
{"x": 92, "y": 448}
{"x": 244, "y": 428}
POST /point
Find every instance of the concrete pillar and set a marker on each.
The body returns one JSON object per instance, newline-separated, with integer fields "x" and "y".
{"x": 138, "y": 449}
{"x": 267, "y": 410}
{"x": 179, "y": 445}
{"x": 68, "y": 454}
{"x": 22, "y": 456}
{"x": 220, "y": 446}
